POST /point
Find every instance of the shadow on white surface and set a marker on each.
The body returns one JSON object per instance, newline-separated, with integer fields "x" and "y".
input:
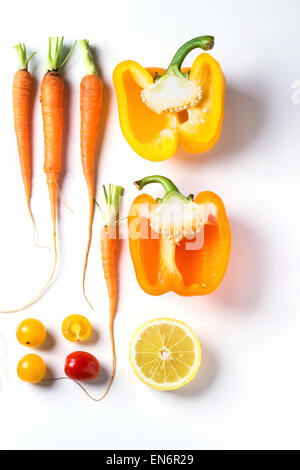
{"x": 242, "y": 285}
{"x": 244, "y": 117}
{"x": 100, "y": 380}
{"x": 49, "y": 378}
{"x": 48, "y": 343}
{"x": 205, "y": 376}
{"x": 93, "y": 339}
{"x": 3, "y": 370}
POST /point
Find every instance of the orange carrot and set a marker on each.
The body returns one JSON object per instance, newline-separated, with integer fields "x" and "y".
{"x": 109, "y": 237}
{"x": 52, "y": 90}
{"x": 52, "y": 110}
{"x": 90, "y": 111}
{"x": 22, "y": 94}
{"x": 108, "y": 250}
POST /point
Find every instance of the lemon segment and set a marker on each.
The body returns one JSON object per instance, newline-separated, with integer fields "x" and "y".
{"x": 165, "y": 354}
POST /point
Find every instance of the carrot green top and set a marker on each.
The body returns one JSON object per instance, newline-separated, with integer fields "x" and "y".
{"x": 90, "y": 67}
{"x": 55, "y": 62}
{"x": 23, "y": 61}
{"x": 112, "y": 200}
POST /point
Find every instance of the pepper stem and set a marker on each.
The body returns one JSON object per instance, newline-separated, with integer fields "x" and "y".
{"x": 87, "y": 58}
{"x": 54, "y": 62}
{"x": 22, "y": 54}
{"x": 203, "y": 42}
{"x": 165, "y": 182}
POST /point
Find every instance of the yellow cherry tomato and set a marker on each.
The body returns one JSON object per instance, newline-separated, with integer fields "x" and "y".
{"x": 76, "y": 328}
{"x": 31, "y": 332}
{"x": 31, "y": 368}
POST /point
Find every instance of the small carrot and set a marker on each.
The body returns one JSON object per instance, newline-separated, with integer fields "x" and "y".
{"x": 90, "y": 112}
{"x": 109, "y": 237}
{"x": 21, "y": 96}
{"x": 52, "y": 110}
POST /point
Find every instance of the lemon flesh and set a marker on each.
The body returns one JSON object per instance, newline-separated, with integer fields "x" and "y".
{"x": 165, "y": 354}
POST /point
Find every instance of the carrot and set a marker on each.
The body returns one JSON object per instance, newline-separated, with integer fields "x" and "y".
{"x": 52, "y": 89}
{"x": 109, "y": 237}
{"x": 52, "y": 110}
{"x": 108, "y": 250}
{"x": 90, "y": 112}
{"x": 22, "y": 95}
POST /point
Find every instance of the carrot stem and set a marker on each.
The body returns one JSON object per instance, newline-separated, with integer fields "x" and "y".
{"x": 89, "y": 65}
{"x": 55, "y": 62}
{"x": 22, "y": 54}
{"x": 112, "y": 200}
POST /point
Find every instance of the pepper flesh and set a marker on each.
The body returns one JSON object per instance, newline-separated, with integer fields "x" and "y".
{"x": 156, "y": 136}
{"x": 193, "y": 265}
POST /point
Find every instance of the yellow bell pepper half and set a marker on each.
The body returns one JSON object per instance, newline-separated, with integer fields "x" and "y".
{"x": 159, "y": 109}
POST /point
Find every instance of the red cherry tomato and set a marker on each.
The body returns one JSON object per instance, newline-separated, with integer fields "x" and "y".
{"x": 81, "y": 365}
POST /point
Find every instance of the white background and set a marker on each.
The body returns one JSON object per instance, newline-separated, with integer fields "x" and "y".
{"x": 246, "y": 394}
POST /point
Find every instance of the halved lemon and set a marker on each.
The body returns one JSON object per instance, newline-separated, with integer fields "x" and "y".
{"x": 165, "y": 354}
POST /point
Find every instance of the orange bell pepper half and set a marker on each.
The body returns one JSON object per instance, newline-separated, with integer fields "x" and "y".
{"x": 177, "y": 243}
{"x": 159, "y": 109}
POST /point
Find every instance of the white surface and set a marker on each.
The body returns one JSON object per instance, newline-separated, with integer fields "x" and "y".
{"x": 247, "y": 392}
